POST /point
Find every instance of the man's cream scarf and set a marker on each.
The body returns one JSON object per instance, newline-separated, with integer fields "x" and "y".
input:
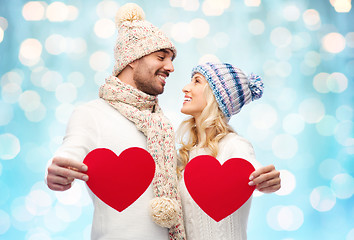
{"x": 143, "y": 110}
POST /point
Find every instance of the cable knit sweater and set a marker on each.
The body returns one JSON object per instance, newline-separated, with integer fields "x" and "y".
{"x": 199, "y": 226}
{"x": 98, "y": 125}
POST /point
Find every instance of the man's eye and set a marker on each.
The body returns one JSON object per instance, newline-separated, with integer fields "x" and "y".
{"x": 161, "y": 58}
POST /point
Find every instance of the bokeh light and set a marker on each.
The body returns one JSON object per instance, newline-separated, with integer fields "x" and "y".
{"x": 286, "y": 99}
{"x": 30, "y": 52}
{"x": 215, "y": 7}
{"x": 73, "y": 13}
{"x": 284, "y": 146}
{"x": 269, "y": 116}
{"x": 333, "y": 42}
{"x": 252, "y": 3}
{"x": 107, "y": 9}
{"x": 343, "y": 186}
{"x": 312, "y": 19}
{"x": 1, "y": 35}
{"x": 6, "y": 113}
{"x": 330, "y": 168}
{"x": 200, "y": 28}
{"x": 293, "y": 123}
{"x": 191, "y": 5}
{"x": 281, "y": 37}
{"x": 285, "y": 218}
{"x": 312, "y": 59}
{"x": 57, "y": 12}
{"x": 5, "y": 222}
{"x": 100, "y": 61}
{"x": 341, "y": 5}
{"x": 66, "y": 93}
{"x": 9, "y": 146}
{"x": 63, "y": 112}
{"x": 34, "y": 11}
{"x": 21, "y": 217}
{"x": 182, "y": 32}
{"x": 284, "y": 53}
{"x": 38, "y": 202}
{"x": 55, "y": 44}
{"x": 11, "y": 92}
{"x": 37, "y": 114}
{"x": 320, "y": 82}
{"x": 29, "y": 100}
{"x": 343, "y": 133}
{"x": 291, "y": 13}
{"x": 76, "y": 196}
{"x": 312, "y": 110}
{"x": 208, "y": 58}
{"x": 288, "y": 183}
{"x": 350, "y": 235}
{"x": 104, "y": 28}
{"x": 221, "y": 40}
{"x": 3, "y": 23}
{"x": 256, "y": 26}
{"x": 344, "y": 113}
{"x": 51, "y": 80}
{"x": 337, "y": 82}
{"x": 327, "y": 125}
{"x": 76, "y": 78}
{"x": 349, "y": 39}
{"x": 322, "y": 199}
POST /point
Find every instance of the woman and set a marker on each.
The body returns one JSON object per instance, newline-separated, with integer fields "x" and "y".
{"x": 216, "y": 92}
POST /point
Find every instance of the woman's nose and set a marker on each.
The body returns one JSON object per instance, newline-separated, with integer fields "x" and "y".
{"x": 185, "y": 89}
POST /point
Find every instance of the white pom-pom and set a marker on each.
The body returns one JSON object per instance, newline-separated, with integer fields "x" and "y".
{"x": 164, "y": 211}
{"x": 129, "y": 12}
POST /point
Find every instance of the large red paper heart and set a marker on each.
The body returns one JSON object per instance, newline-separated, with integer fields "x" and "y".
{"x": 119, "y": 181}
{"x": 219, "y": 190}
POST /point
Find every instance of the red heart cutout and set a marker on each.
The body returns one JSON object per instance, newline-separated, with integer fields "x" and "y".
{"x": 119, "y": 181}
{"x": 219, "y": 190}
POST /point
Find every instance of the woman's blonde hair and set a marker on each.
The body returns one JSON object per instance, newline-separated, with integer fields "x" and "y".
{"x": 213, "y": 128}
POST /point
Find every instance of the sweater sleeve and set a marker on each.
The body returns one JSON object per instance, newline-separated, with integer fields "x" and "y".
{"x": 81, "y": 135}
{"x": 238, "y": 147}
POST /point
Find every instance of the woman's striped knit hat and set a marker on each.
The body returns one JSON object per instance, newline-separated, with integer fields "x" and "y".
{"x": 231, "y": 87}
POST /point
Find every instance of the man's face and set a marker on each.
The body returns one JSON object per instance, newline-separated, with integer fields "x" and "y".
{"x": 151, "y": 71}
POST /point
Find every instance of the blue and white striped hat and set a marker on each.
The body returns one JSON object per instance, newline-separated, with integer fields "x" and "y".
{"x": 231, "y": 87}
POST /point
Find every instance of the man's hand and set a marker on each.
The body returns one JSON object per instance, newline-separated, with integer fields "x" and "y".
{"x": 62, "y": 172}
{"x": 266, "y": 179}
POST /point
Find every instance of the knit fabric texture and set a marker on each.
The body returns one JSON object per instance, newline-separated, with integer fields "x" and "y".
{"x": 143, "y": 110}
{"x": 231, "y": 87}
{"x": 136, "y": 37}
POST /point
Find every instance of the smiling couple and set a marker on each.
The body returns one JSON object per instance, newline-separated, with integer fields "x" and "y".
{"x": 127, "y": 115}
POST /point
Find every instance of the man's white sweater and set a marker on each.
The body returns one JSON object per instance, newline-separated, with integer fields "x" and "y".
{"x": 98, "y": 125}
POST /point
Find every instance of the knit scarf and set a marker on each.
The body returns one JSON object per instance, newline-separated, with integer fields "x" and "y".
{"x": 143, "y": 110}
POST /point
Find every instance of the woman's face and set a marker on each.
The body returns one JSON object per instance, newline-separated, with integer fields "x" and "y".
{"x": 194, "y": 99}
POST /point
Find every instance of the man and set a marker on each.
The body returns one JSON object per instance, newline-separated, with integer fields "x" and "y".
{"x": 128, "y": 115}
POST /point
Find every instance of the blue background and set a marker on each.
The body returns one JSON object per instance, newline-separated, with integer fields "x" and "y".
{"x": 54, "y": 55}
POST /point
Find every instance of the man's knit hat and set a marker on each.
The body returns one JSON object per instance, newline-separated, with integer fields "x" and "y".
{"x": 136, "y": 37}
{"x": 231, "y": 87}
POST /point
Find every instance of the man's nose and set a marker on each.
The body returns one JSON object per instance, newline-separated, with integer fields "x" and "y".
{"x": 169, "y": 66}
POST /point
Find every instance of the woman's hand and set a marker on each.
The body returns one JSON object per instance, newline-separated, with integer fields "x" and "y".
{"x": 266, "y": 179}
